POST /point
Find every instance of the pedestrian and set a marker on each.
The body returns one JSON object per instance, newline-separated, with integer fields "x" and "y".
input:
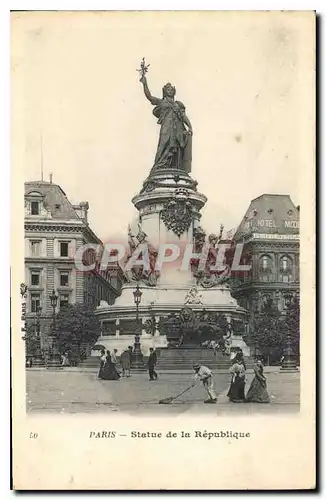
{"x": 125, "y": 362}
{"x": 204, "y": 374}
{"x": 114, "y": 359}
{"x": 130, "y": 353}
{"x": 258, "y": 389}
{"x": 109, "y": 371}
{"x": 215, "y": 346}
{"x": 102, "y": 362}
{"x": 64, "y": 359}
{"x": 236, "y": 392}
{"x": 152, "y": 360}
{"x": 46, "y": 358}
{"x": 29, "y": 361}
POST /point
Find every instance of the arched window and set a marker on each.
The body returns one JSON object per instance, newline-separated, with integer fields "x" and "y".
{"x": 286, "y": 269}
{"x": 284, "y": 263}
{"x": 33, "y": 202}
{"x": 265, "y": 268}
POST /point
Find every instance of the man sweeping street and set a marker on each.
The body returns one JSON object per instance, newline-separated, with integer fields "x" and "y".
{"x": 204, "y": 374}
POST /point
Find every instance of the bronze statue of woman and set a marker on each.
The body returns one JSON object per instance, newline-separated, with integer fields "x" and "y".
{"x": 175, "y": 144}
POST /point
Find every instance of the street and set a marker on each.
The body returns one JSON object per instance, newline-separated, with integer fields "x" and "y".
{"x": 73, "y": 391}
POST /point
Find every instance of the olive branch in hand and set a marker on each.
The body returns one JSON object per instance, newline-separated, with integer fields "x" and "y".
{"x": 143, "y": 68}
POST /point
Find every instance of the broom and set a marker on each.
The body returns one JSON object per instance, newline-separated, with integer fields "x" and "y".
{"x": 167, "y": 401}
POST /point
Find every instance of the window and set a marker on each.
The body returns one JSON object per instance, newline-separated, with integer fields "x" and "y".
{"x": 284, "y": 263}
{"x": 64, "y": 301}
{"x": 35, "y": 278}
{"x": 35, "y": 208}
{"x": 266, "y": 262}
{"x": 285, "y": 269}
{"x": 35, "y": 248}
{"x": 35, "y": 302}
{"x": 285, "y": 278}
{"x": 64, "y": 278}
{"x": 267, "y": 278}
{"x": 89, "y": 257}
{"x": 64, "y": 246}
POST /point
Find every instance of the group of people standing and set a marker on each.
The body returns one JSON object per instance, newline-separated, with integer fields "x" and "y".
{"x": 257, "y": 392}
{"x": 108, "y": 364}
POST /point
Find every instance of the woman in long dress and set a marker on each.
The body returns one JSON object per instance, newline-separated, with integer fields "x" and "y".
{"x": 175, "y": 141}
{"x": 258, "y": 389}
{"x": 109, "y": 371}
{"x": 236, "y": 392}
{"x": 102, "y": 363}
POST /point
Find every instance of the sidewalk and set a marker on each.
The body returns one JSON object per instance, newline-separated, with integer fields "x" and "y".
{"x": 81, "y": 369}
{"x": 72, "y": 391}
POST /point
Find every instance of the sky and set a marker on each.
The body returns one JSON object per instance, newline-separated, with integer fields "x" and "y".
{"x": 243, "y": 77}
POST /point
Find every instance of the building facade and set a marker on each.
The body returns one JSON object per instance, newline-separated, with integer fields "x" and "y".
{"x": 270, "y": 233}
{"x": 54, "y": 231}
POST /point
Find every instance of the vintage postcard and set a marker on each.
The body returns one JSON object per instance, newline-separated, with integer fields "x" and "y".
{"x": 163, "y": 250}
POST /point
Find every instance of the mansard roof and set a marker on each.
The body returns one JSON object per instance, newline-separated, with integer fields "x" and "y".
{"x": 55, "y": 199}
{"x": 270, "y": 214}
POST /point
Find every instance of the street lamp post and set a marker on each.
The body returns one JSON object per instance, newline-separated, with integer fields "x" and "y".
{"x": 55, "y": 358}
{"x": 38, "y": 359}
{"x": 137, "y": 356}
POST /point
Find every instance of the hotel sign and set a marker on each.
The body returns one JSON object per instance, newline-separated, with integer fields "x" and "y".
{"x": 289, "y": 224}
{"x": 275, "y": 236}
{"x": 271, "y": 224}
{"x": 266, "y": 223}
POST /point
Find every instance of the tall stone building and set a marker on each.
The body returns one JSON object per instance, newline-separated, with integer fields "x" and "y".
{"x": 54, "y": 231}
{"x": 269, "y": 232}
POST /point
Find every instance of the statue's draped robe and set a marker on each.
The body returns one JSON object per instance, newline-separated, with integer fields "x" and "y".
{"x": 174, "y": 146}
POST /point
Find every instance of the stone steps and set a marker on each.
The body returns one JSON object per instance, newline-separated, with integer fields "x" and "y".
{"x": 180, "y": 359}
{"x": 184, "y": 358}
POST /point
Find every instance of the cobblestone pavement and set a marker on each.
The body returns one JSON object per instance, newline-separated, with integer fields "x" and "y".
{"x": 82, "y": 392}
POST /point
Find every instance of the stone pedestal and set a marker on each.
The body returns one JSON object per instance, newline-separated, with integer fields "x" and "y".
{"x": 137, "y": 361}
{"x": 55, "y": 358}
{"x": 38, "y": 357}
{"x": 289, "y": 363}
{"x": 169, "y": 207}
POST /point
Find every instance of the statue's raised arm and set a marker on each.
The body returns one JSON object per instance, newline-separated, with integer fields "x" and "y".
{"x": 142, "y": 71}
{"x": 153, "y": 100}
{"x": 175, "y": 144}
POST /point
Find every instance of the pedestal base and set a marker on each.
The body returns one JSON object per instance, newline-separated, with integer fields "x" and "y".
{"x": 289, "y": 366}
{"x": 137, "y": 360}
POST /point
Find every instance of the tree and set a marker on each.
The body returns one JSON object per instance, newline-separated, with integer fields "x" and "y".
{"x": 75, "y": 326}
{"x": 292, "y": 324}
{"x": 268, "y": 333}
{"x": 31, "y": 341}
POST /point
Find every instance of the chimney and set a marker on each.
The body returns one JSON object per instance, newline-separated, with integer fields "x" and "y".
{"x": 51, "y": 178}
